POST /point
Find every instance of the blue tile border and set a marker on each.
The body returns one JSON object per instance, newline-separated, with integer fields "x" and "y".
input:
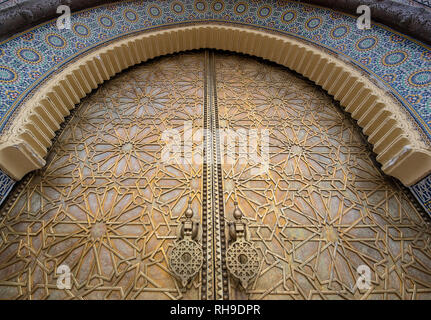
{"x": 422, "y": 192}
{"x": 6, "y": 185}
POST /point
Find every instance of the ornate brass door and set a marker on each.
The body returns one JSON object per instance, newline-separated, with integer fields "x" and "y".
{"x": 313, "y": 211}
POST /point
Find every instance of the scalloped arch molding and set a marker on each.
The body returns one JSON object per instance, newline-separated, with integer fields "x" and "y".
{"x": 381, "y": 77}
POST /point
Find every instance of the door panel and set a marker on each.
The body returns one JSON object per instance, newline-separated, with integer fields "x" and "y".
{"x": 106, "y": 205}
{"x": 323, "y": 208}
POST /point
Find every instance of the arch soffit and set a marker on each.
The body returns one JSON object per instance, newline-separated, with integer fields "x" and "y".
{"x": 396, "y": 141}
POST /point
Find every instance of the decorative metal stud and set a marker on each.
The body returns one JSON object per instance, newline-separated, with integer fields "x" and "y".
{"x": 186, "y": 257}
{"x": 242, "y": 257}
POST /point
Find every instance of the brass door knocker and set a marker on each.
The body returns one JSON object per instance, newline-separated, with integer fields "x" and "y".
{"x": 186, "y": 257}
{"x": 241, "y": 256}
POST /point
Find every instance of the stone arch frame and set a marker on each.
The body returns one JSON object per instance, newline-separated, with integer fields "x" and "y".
{"x": 397, "y": 143}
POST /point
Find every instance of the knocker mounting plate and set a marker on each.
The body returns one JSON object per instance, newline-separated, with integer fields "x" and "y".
{"x": 186, "y": 260}
{"x": 242, "y": 261}
{"x": 242, "y": 257}
{"x": 186, "y": 257}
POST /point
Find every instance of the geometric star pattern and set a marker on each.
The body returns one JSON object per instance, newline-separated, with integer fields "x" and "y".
{"x": 323, "y": 208}
{"x": 105, "y": 204}
{"x": 109, "y": 208}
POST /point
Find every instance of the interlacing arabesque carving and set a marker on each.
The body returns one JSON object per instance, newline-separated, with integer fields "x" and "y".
{"x": 106, "y": 205}
{"x": 323, "y": 208}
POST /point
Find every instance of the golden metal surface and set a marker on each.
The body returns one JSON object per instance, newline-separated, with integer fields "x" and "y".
{"x": 323, "y": 208}
{"x": 105, "y": 204}
{"x": 216, "y": 271}
{"x": 108, "y": 207}
{"x": 242, "y": 256}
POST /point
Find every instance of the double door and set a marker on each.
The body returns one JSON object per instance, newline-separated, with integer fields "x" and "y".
{"x": 209, "y": 175}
